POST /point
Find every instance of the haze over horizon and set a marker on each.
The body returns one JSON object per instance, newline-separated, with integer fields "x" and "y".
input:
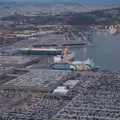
{"x": 84, "y": 2}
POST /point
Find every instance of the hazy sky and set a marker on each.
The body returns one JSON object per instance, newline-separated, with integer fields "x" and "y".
{"x": 90, "y": 2}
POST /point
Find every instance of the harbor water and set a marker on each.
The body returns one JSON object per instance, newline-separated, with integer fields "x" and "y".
{"x": 105, "y": 52}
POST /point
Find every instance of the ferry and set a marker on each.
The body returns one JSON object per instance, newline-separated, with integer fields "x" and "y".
{"x": 40, "y": 51}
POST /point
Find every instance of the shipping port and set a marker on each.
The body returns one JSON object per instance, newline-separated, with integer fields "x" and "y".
{"x": 31, "y": 90}
{"x": 48, "y": 73}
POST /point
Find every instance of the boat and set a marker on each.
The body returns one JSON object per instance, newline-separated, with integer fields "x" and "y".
{"x": 40, "y": 51}
{"x": 85, "y": 62}
{"x": 87, "y": 65}
{"x": 66, "y": 65}
{"x": 66, "y": 56}
{"x": 112, "y": 30}
{"x": 62, "y": 64}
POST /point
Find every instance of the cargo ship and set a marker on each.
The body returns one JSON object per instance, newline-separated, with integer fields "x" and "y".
{"x": 86, "y": 65}
{"x": 40, "y": 51}
{"x": 66, "y": 56}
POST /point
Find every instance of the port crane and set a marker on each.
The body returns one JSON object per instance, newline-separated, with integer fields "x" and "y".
{"x": 73, "y": 34}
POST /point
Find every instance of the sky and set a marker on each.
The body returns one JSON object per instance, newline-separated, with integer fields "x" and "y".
{"x": 88, "y": 2}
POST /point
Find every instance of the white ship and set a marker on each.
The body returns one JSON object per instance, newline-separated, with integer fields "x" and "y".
{"x": 112, "y": 30}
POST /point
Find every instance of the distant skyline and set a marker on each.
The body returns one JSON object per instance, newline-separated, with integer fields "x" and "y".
{"x": 85, "y": 2}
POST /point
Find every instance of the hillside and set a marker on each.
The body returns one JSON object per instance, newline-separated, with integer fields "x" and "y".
{"x": 99, "y": 17}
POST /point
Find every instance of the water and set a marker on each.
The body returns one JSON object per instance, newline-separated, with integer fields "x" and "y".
{"x": 106, "y": 52}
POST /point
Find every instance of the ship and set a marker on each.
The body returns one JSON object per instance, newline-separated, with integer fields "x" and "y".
{"x": 65, "y": 57}
{"x": 40, "y": 51}
{"x": 112, "y": 30}
{"x": 86, "y": 65}
{"x": 63, "y": 62}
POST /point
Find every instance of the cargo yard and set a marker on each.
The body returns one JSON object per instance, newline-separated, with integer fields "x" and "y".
{"x": 95, "y": 96}
{"x": 40, "y": 78}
